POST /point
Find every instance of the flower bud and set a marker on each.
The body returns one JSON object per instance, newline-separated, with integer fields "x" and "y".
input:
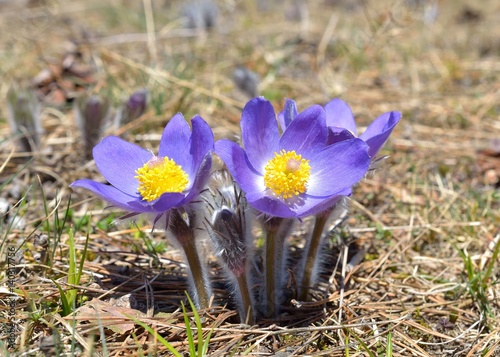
{"x": 133, "y": 108}
{"x": 200, "y": 14}
{"x": 91, "y": 113}
{"x": 23, "y": 114}
{"x": 247, "y": 81}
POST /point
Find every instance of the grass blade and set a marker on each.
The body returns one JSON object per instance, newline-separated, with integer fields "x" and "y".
{"x": 66, "y": 308}
{"x": 156, "y": 336}
{"x": 388, "y": 351}
{"x": 189, "y": 332}
{"x": 199, "y": 327}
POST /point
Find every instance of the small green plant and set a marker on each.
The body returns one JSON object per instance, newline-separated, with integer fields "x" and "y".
{"x": 197, "y": 348}
{"x": 362, "y": 344}
{"x": 152, "y": 248}
{"x": 388, "y": 351}
{"x": 478, "y": 281}
{"x": 6, "y": 226}
{"x": 202, "y": 348}
{"x": 3, "y": 349}
{"x": 381, "y": 350}
{"x": 68, "y": 298}
{"x": 157, "y": 337}
{"x": 58, "y": 225}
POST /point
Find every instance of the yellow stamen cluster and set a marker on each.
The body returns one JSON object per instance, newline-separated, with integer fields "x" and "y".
{"x": 287, "y": 173}
{"x": 160, "y": 175}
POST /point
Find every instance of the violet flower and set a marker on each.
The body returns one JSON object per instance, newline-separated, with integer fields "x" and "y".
{"x": 342, "y": 126}
{"x": 339, "y": 115}
{"x": 289, "y": 176}
{"x": 132, "y": 108}
{"x": 91, "y": 115}
{"x": 137, "y": 102}
{"x": 297, "y": 174}
{"x": 142, "y": 182}
{"x": 166, "y": 185}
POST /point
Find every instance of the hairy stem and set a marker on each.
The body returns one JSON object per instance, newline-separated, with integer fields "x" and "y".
{"x": 311, "y": 256}
{"x": 246, "y": 314}
{"x": 182, "y": 225}
{"x": 275, "y": 240}
{"x": 197, "y": 272}
{"x": 270, "y": 273}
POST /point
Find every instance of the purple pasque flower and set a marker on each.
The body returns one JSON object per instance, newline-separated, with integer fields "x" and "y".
{"x": 339, "y": 116}
{"x": 137, "y": 102}
{"x": 342, "y": 126}
{"x": 142, "y": 182}
{"x": 296, "y": 174}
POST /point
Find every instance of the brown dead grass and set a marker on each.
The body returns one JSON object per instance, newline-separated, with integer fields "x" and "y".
{"x": 437, "y": 192}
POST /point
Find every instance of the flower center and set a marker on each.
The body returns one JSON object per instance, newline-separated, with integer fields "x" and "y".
{"x": 160, "y": 175}
{"x": 286, "y": 174}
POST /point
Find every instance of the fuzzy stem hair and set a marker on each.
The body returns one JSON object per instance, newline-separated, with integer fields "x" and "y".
{"x": 310, "y": 256}
{"x": 277, "y": 230}
{"x": 246, "y": 308}
{"x": 183, "y": 227}
{"x": 308, "y": 273}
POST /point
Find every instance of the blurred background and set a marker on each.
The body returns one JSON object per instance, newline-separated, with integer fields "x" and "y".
{"x": 74, "y": 71}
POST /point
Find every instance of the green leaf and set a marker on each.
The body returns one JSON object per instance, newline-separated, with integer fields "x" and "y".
{"x": 199, "y": 327}
{"x": 66, "y": 307}
{"x": 388, "y": 351}
{"x": 156, "y": 336}
{"x": 360, "y": 341}
{"x": 192, "y": 348}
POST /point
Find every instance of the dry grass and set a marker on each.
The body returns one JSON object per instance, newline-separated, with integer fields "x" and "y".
{"x": 436, "y": 196}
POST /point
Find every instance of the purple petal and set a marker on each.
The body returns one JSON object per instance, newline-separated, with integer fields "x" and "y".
{"x": 202, "y": 142}
{"x": 307, "y": 133}
{"x": 201, "y": 179}
{"x": 112, "y": 195}
{"x": 315, "y": 205}
{"x": 304, "y": 205}
{"x": 117, "y": 161}
{"x": 336, "y": 135}
{"x": 379, "y": 130}
{"x": 239, "y": 166}
{"x": 259, "y": 132}
{"x": 273, "y": 207}
{"x": 337, "y": 167}
{"x": 166, "y": 201}
{"x": 175, "y": 140}
{"x": 339, "y": 114}
{"x": 288, "y": 114}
